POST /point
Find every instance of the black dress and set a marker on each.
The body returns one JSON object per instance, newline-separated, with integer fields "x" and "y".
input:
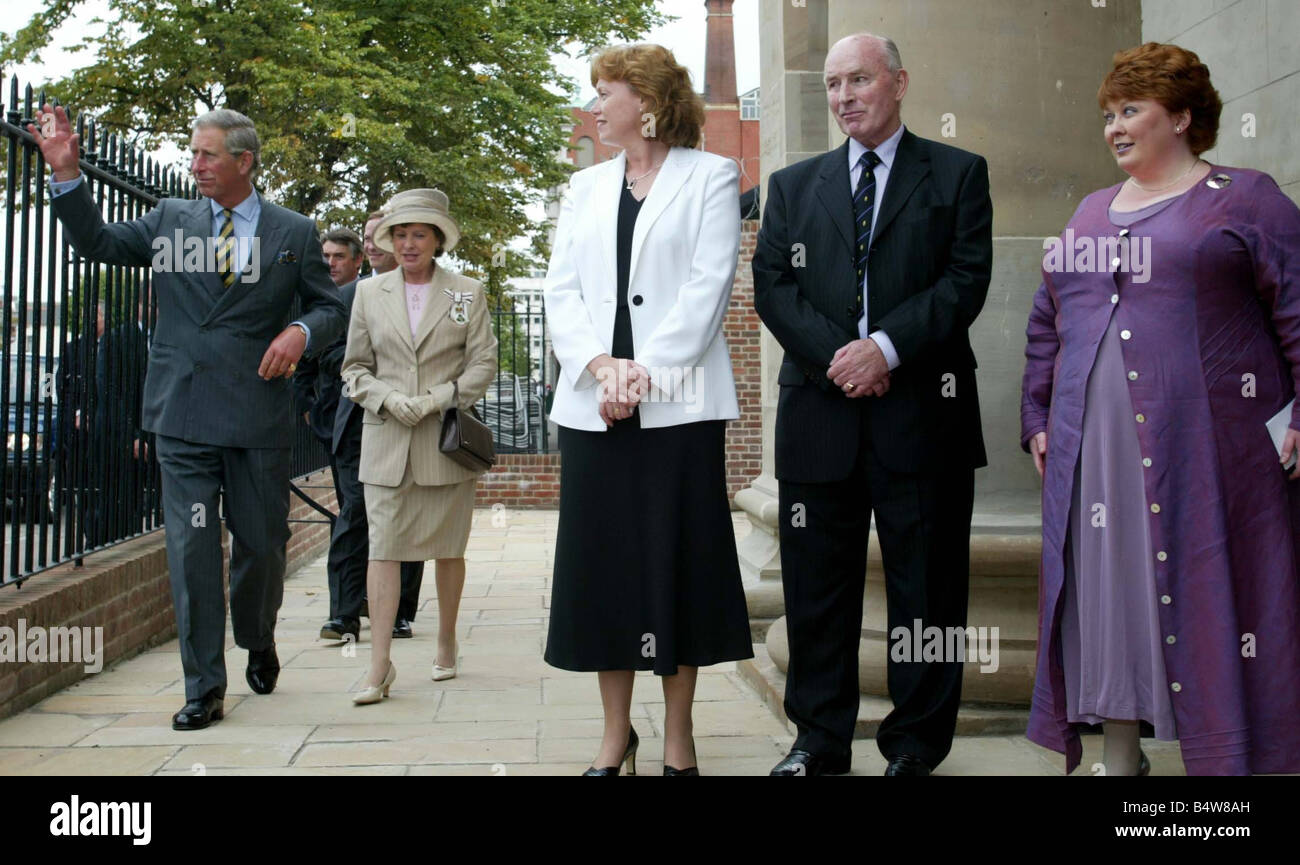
{"x": 646, "y": 575}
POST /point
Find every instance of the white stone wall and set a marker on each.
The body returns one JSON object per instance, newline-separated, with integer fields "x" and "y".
{"x": 1253, "y": 50}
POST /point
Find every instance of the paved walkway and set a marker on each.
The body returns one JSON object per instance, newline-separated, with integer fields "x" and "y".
{"x": 507, "y": 712}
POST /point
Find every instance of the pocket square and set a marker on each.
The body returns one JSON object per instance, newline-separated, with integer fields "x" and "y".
{"x": 286, "y": 256}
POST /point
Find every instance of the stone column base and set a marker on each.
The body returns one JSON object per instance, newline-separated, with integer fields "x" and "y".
{"x": 760, "y": 555}
{"x": 1003, "y": 595}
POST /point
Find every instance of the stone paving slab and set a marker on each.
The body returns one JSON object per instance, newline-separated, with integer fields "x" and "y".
{"x": 507, "y": 713}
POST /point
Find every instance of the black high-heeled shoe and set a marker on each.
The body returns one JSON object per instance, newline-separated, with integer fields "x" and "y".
{"x": 629, "y": 757}
{"x": 1144, "y": 765}
{"x": 693, "y": 770}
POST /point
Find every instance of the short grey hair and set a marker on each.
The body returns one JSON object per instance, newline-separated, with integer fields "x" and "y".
{"x": 241, "y": 134}
{"x": 893, "y": 59}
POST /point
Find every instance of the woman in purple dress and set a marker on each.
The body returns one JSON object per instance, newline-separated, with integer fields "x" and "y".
{"x": 1165, "y": 335}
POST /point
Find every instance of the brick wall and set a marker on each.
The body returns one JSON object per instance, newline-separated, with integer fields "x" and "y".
{"x": 126, "y": 591}
{"x": 742, "y": 329}
{"x": 521, "y": 481}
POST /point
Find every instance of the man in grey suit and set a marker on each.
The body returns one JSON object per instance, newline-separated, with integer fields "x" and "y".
{"x": 226, "y": 270}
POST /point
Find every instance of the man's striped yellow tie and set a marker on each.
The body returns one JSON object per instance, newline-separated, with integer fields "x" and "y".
{"x": 226, "y": 249}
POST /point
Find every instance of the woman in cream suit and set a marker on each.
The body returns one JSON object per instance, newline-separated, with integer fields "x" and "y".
{"x": 419, "y": 336}
{"x": 646, "y": 576}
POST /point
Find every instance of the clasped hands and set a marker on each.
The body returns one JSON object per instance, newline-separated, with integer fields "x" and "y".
{"x": 409, "y": 410}
{"x": 859, "y": 369}
{"x": 623, "y": 384}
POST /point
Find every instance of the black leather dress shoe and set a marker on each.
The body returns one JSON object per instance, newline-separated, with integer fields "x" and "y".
{"x": 365, "y": 609}
{"x": 340, "y": 629}
{"x": 199, "y": 713}
{"x": 906, "y": 764}
{"x": 263, "y": 670}
{"x": 799, "y": 762}
{"x": 402, "y": 629}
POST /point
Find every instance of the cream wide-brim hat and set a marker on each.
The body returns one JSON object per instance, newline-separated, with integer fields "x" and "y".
{"x": 428, "y": 206}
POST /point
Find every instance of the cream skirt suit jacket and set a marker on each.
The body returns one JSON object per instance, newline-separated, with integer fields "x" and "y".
{"x": 419, "y": 502}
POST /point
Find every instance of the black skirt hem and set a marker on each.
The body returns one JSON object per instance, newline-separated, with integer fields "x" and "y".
{"x": 574, "y": 667}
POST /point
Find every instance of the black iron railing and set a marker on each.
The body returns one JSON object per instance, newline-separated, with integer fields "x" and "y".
{"x": 79, "y": 474}
{"x": 518, "y": 402}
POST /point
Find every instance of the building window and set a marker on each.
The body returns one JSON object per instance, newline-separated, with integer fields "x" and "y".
{"x": 749, "y": 105}
{"x": 585, "y": 152}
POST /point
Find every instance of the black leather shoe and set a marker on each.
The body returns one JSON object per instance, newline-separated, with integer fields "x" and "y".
{"x": 365, "y": 608}
{"x": 339, "y": 629}
{"x": 199, "y": 713}
{"x": 906, "y": 764}
{"x": 799, "y": 762}
{"x": 402, "y": 629}
{"x": 263, "y": 670}
{"x": 1144, "y": 765}
{"x": 629, "y": 757}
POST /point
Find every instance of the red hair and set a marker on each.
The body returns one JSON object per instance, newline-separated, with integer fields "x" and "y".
{"x": 1172, "y": 76}
{"x": 656, "y": 76}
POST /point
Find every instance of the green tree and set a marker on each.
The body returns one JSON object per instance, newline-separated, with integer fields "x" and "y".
{"x": 356, "y": 99}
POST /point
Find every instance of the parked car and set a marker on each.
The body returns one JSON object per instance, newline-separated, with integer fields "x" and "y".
{"x": 29, "y": 437}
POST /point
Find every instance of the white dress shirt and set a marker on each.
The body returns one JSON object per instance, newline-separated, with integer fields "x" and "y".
{"x": 887, "y": 150}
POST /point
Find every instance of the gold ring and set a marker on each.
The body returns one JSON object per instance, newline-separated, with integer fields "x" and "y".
{"x": 849, "y": 387}
{"x": 292, "y": 367}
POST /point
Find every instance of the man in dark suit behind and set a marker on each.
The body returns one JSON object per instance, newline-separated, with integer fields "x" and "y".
{"x": 126, "y": 355}
{"x": 215, "y": 395}
{"x": 872, "y": 262}
{"x": 337, "y": 422}
{"x": 76, "y": 448}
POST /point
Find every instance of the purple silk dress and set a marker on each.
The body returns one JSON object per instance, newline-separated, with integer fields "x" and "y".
{"x": 1209, "y": 341}
{"x": 1110, "y": 624}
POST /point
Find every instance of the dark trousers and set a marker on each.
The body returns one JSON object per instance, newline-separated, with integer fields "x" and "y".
{"x": 350, "y": 542}
{"x": 253, "y": 486}
{"x": 923, "y": 525}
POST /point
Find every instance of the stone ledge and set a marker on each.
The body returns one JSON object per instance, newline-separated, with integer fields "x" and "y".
{"x": 762, "y": 674}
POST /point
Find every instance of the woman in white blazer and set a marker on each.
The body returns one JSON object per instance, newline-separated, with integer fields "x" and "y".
{"x": 646, "y": 575}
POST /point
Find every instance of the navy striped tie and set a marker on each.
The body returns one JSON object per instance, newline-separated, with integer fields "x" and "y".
{"x": 864, "y": 201}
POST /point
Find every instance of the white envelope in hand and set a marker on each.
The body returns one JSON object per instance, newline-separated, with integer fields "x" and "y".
{"x": 1277, "y": 427}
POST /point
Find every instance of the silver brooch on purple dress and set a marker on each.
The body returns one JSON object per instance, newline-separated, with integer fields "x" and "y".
{"x": 1219, "y": 181}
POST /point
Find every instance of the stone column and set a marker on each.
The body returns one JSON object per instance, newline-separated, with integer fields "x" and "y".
{"x": 793, "y": 47}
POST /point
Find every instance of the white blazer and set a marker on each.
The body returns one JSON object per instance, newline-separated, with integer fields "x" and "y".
{"x": 684, "y": 252}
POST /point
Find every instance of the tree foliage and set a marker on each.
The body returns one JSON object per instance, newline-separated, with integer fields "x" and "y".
{"x": 356, "y": 99}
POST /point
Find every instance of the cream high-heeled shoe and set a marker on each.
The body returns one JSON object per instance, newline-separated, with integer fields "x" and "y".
{"x": 441, "y": 672}
{"x": 376, "y": 693}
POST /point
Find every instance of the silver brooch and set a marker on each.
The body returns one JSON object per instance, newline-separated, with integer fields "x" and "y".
{"x": 1219, "y": 181}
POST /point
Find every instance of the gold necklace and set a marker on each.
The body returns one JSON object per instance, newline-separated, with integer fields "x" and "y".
{"x": 1171, "y": 185}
